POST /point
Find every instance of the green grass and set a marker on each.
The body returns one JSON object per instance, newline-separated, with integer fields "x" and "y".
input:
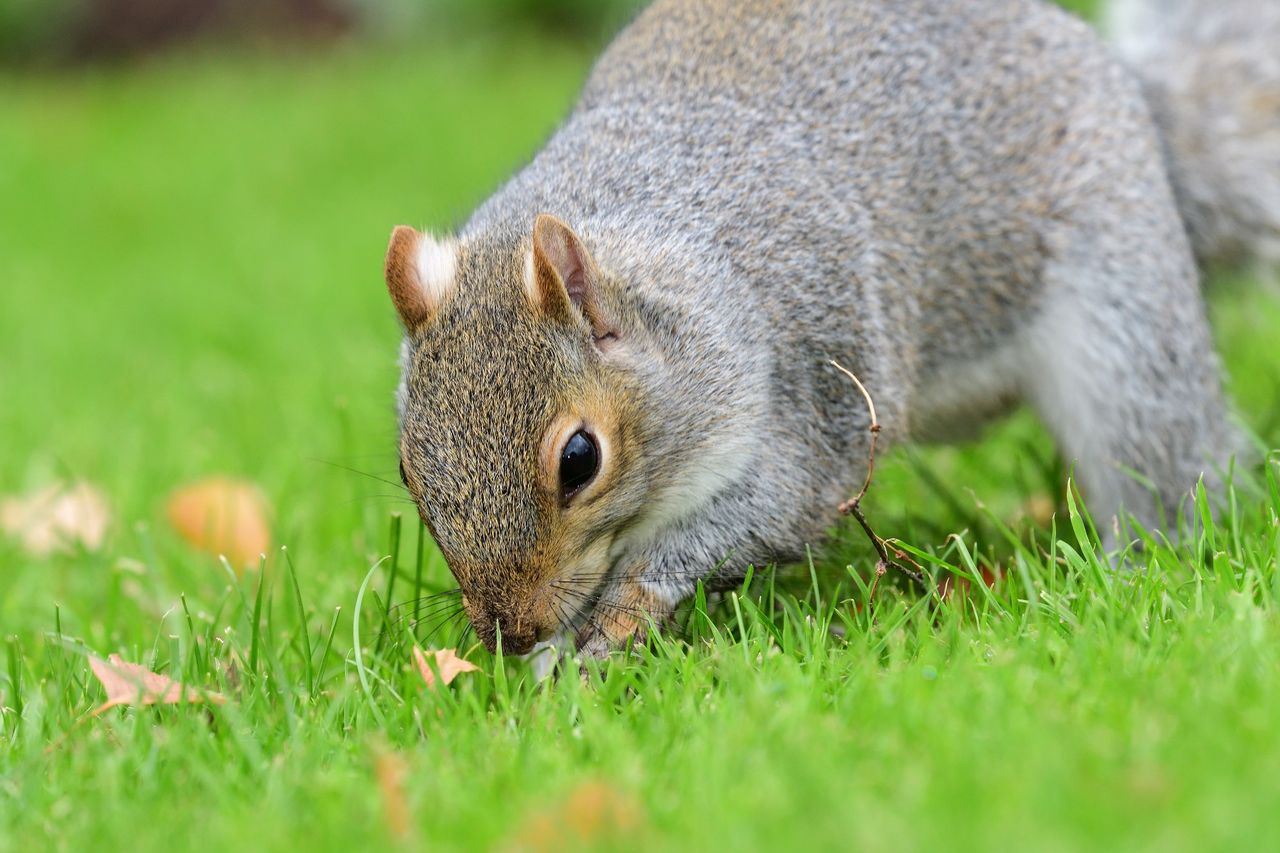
{"x": 191, "y": 257}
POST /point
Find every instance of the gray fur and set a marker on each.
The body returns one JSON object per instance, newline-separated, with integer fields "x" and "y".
{"x": 962, "y": 201}
{"x": 1211, "y": 69}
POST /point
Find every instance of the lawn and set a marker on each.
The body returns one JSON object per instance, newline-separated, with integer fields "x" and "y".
{"x": 191, "y": 256}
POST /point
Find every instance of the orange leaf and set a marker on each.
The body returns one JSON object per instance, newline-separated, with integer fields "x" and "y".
{"x": 223, "y": 517}
{"x": 594, "y": 812}
{"x": 391, "y": 771}
{"x": 131, "y": 684}
{"x": 447, "y": 662}
{"x": 56, "y": 517}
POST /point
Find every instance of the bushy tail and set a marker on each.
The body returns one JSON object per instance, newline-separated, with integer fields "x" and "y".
{"x": 1211, "y": 69}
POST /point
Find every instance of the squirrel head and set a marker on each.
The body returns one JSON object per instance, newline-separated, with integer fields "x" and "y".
{"x": 520, "y": 420}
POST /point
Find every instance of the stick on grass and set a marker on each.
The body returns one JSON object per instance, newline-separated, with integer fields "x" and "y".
{"x": 853, "y": 506}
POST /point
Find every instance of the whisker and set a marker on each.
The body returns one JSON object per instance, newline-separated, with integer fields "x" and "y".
{"x": 380, "y": 498}
{"x": 595, "y": 601}
{"x": 611, "y": 610}
{"x": 563, "y": 621}
{"x": 430, "y": 620}
{"x": 348, "y": 468}
{"x": 574, "y": 610}
{"x": 428, "y": 608}
{"x": 589, "y": 597}
{"x": 673, "y": 574}
{"x": 436, "y": 611}
{"x": 568, "y": 590}
{"x": 431, "y": 617}
{"x": 436, "y": 630}
{"x": 435, "y": 597}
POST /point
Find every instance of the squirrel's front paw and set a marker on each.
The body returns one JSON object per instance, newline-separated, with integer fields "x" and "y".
{"x": 621, "y": 620}
{"x": 600, "y": 637}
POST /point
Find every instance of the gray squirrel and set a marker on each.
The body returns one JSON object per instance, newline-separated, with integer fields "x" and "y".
{"x": 617, "y": 377}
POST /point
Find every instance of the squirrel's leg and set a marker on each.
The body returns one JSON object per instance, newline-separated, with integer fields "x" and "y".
{"x": 743, "y": 526}
{"x": 1122, "y": 368}
{"x": 623, "y": 615}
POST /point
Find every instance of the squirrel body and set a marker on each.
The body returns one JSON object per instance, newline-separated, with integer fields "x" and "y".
{"x": 964, "y": 202}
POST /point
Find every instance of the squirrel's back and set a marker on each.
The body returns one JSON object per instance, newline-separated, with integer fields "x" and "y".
{"x": 924, "y": 143}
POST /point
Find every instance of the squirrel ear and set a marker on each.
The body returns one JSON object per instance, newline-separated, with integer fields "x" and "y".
{"x": 561, "y": 273}
{"x": 420, "y": 272}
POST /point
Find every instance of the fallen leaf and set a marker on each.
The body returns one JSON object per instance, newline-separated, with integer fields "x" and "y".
{"x": 593, "y": 812}
{"x": 390, "y": 770}
{"x": 56, "y": 518}
{"x": 223, "y": 517}
{"x": 131, "y": 684}
{"x": 447, "y": 662}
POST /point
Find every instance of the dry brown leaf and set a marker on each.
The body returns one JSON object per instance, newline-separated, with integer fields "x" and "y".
{"x": 223, "y": 517}
{"x": 56, "y": 518}
{"x": 447, "y": 662}
{"x": 593, "y": 812}
{"x": 390, "y": 769}
{"x": 131, "y": 684}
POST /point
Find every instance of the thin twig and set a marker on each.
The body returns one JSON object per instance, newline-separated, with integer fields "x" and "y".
{"x": 873, "y": 428}
{"x": 853, "y": 506}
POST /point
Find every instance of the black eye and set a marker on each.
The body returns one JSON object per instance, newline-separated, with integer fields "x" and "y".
{"x": 404, "y": 478}
{"x": 578, "y": 463}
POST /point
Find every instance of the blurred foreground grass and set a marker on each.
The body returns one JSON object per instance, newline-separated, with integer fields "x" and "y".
{"x": 191, "y": 254}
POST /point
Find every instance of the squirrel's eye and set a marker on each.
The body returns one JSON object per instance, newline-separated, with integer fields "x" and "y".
{"x": 579, "y": 461}
{"x": 404, "y": 478}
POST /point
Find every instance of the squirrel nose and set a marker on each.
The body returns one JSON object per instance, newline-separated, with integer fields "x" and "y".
{"x": 520, "y": 645}
{"x": 491, "y": 619}
{"x": 515, "y": 642}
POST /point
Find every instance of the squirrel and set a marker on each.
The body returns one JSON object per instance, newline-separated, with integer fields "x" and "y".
{"x": 617, "y": 376}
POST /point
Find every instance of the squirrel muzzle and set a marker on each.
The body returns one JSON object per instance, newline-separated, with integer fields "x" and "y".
{"x": 513, "y": 620}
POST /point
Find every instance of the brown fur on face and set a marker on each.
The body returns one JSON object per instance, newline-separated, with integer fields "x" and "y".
{"x": 493, "y": 388}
